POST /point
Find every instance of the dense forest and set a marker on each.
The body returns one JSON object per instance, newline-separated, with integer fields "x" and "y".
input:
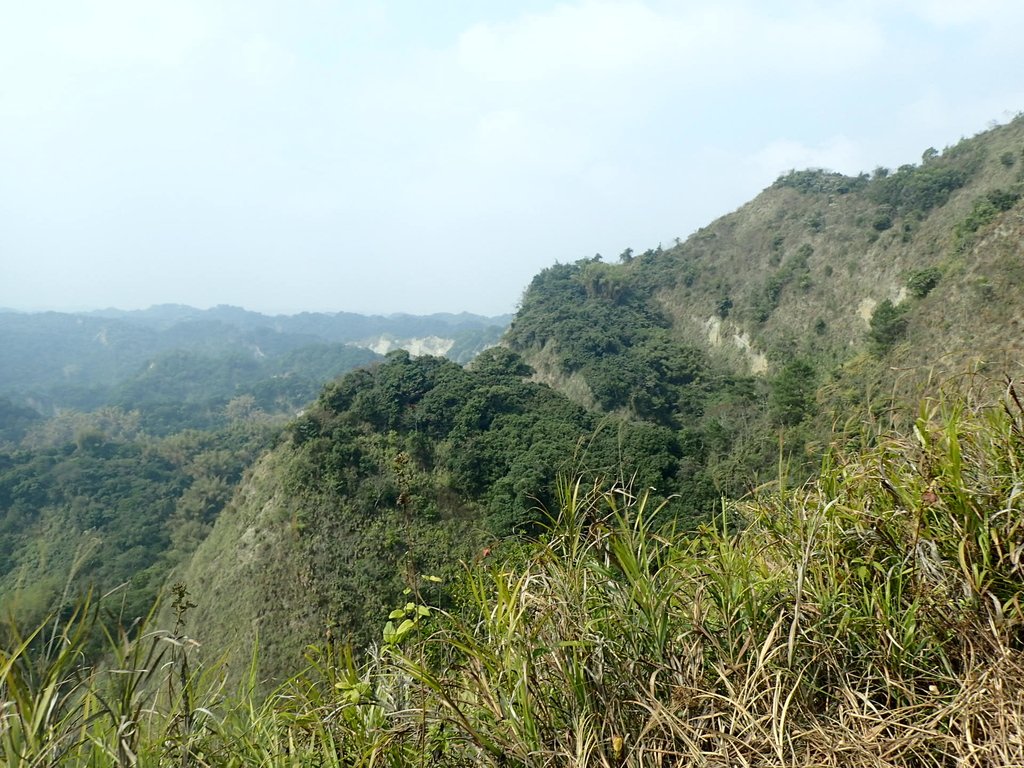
{"x": 180, "y": 355}
{"x": 124, "y": 435}
{"x": 752, "y": 497}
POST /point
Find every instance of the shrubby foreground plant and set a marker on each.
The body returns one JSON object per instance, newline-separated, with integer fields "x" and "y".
{"x": 871, "y": 618}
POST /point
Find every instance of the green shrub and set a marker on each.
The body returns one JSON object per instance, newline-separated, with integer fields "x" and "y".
{"x": 817, "y": 180}
{"x": 914, "y": 189}
{"x": 792, "y": 393}
{"x": 986, "y": 208}
{"x": 921, "y": 282}
{"x": 888, "y": 325}
{"x": 882, "y": 222}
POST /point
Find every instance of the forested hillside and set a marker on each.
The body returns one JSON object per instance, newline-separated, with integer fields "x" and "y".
{"x": 124, "y": 434}
{"x": 871, "y": 618}
{"x": 701, "y": 370}
{"x": 109, "y": 513}
{"x": 179, "y": 355}
{"x": 831, "y": 294}
{"x": 400, "y": 471}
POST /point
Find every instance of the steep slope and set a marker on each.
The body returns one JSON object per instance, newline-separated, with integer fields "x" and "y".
{"x": 398, "y": 472}
{"x": 112, "y": 514}
{"x": 804, "y": 267}
{"x": 917, "y": 270}
{"x": 691, "y": 370}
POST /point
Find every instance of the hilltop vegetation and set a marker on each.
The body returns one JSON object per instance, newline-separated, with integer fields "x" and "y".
{"x": 404, "y": 469}
{"x": 800, "y": 269}
{"x": 693, "y": 369}
{"x": 703, "y": 370}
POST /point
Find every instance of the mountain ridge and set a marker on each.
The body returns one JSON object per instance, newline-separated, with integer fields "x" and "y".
{"x": 737, "y": 349}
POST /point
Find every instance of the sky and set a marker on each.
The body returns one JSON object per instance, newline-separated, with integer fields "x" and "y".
{"x": 410, "y": 156}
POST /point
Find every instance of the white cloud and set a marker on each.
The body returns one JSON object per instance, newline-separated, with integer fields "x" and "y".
{"x": 557, "y": 93}
{"x": 692, "y": 46}
{"x": 955, "y": 13}
{"x": 589, "y": 39}
{"x": 105, "y": 34}
{"x": 229, "y": 130}
{"x": 261, "y": 59}
{"x": 837, "y": 153}
{"x": 62, "y": 58}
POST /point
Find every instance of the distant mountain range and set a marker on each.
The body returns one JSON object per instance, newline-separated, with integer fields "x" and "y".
{"x": 58, "y": 360}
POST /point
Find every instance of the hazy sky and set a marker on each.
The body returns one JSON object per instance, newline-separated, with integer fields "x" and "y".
{"x": 405, "y": 155}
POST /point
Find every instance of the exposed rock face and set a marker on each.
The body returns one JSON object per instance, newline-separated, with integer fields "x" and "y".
{"x": 428, "y": 345}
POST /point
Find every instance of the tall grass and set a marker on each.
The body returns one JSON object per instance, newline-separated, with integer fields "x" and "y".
{"x": 871, "y": 618}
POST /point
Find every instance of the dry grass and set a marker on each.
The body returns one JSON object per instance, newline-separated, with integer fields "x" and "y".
{"x": 872, "y": 618}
